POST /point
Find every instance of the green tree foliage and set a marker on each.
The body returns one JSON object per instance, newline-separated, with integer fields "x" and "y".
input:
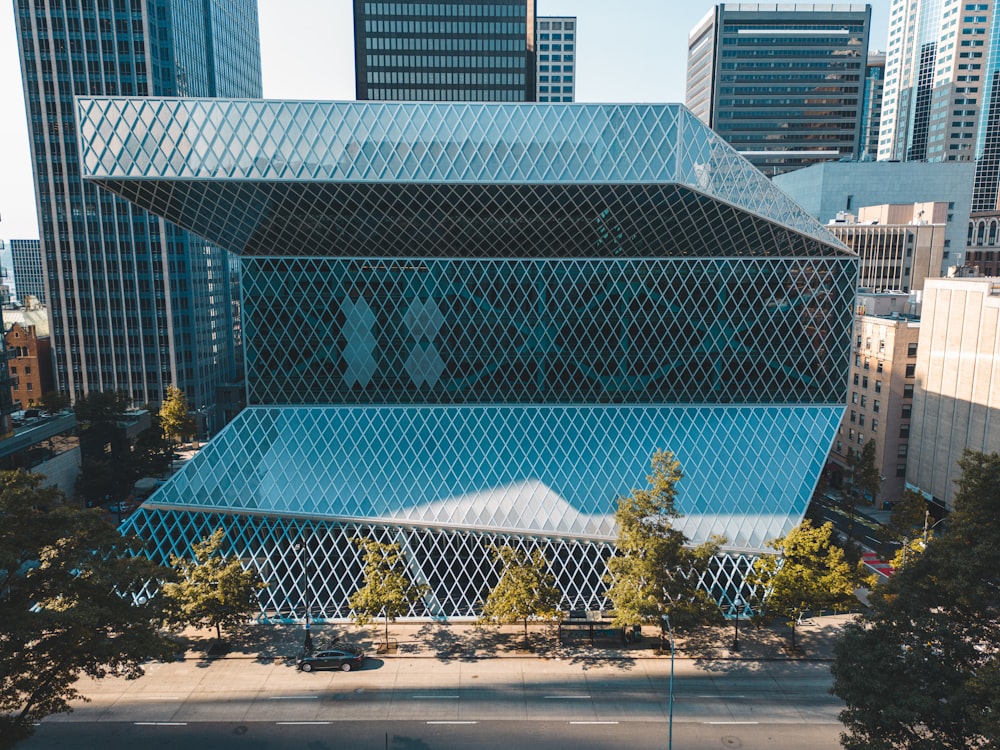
{"x": 809, "y": 573}
{"x": 53, "y": 401}
{"x": 175, "y": 419}
{"x": 920, "y": 669}
{"x": 867, "y": 479}
{"x": 151, "y": 452}
{"x": 526, "y": 588}
{"x": 908, "y": 515}
{"x": 387, "y": 591}
{"x": 69, "y": 603}
{"x": 106, "y": 466}
{"x": 212, "y": 590}
{"x": 653, "y": 572}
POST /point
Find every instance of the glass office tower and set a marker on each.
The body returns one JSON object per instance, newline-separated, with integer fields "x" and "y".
{"x": 470, "y": 324}
{"x": 136, "y": 303}
{"x": 782, "y": 83}
{"x": 478, "y": 51}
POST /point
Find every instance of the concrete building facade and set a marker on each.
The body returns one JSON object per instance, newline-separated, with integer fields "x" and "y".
{"x": 784, "y": 84}
{"x": 824, "y": 190}
{"x": 899, "y": 245}
{"x": 880, "y": 391}
{"x": 956, "y": 403}
{"x": 557, "y": 49}
{"x": 476, "y": 51}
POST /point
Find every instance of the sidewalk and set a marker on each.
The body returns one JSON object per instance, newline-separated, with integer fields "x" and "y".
{"x": 467, "y": 642}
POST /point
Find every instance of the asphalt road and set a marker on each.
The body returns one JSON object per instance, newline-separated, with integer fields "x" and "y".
{"x": 866, "y": 533}
{"x": 425, "y": 704}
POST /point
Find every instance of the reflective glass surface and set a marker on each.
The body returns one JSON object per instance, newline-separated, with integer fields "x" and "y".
{"x": 547, "y": 331}
{"x": 163, "y": 151}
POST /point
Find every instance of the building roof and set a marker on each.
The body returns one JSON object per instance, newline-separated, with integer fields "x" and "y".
{"x": 348, "y": 178}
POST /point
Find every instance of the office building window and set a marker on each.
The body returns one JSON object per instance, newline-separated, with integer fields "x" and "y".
{"x": 911, "y": 350}
{"x": 907, "y": 411}
{"x": 864, "y": 382}
{"x": 878, "y": 386}
{"x": 854, "y": 416}
{"x": 904, "y": 431}
{"x": 876, "y": 406}
{"x": 901, "y": 450}
{"x": 910, "y": 370}
{"x": 900, "y": 470}
{"x": 908, "y": 390}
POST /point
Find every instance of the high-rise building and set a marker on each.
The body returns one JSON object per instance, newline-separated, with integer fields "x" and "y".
{"x": 871, "y": 111}
{"x": 933, "y": 80}
{"x": 136, "y": 304}
{"x": 986, "y": 193}
{"x": 29, "y": 269}
{"x": 476, "y": 51}
{"x": 470, "y": 324}
{"x": 556, "y": 59}
{"x": 782, "y": 83}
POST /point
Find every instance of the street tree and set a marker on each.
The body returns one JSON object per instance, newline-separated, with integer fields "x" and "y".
{"x": 920, "y": 668}
{"x": 71, "y": 603}
{"x": 175, "y": 417}
{"x": 809, "y": 573}
{"x": 387, "y": 590}
{"x": 212, "y": 590}
{"x": 526, "y": 589}
{"x": 908, "y": 515}
{"x": 867, "y": 479}
{"x": 54, "y": 401}
{"x": 653, "y": 572}
{"x": 107, "y": 470}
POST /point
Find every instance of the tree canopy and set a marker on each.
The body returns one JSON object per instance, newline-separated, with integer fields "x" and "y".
{"x": 175, "y": 419}
{"x": 908, "y": 515}
{"x": 212, "y": 590}
{"x": 526, "y": 589}
{"x": 810, "y": 573}
{"x": 71, "y": 603}
{"x": 654, "y": 572}
{"x": 920, "y": 669}
{"x": 387, "y": 590}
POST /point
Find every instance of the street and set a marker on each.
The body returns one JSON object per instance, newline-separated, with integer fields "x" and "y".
{"x": 425, "y": 703}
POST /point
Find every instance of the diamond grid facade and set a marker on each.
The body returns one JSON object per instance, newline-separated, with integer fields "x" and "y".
{"x": 471, "y": 323}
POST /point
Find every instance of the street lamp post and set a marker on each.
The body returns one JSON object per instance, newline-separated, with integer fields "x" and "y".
{"x": 670, "y": 724}
{"x": 737, "y": 605}
{"x": 303, "y": 555}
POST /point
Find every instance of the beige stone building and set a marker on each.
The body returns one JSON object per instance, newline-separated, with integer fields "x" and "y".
{"x": 957, "y": 400}
{"x": 900, "y": 245}
{"x": 880, "y": 389}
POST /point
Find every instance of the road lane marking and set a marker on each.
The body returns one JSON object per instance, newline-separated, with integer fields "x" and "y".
{"x": 593, "y": 722}
{"x": 722, "y": 697}
{"x": 158, "y": 698}
{"x": 567, "y": 697}
{"x": 293, "y": 697}
{"x": 160, "y": 723}
{"x": 301, "y": 723}
{"x": 732, "y": 722}
{"x": 435, "y": 697}
{"x": 451, "y": 722}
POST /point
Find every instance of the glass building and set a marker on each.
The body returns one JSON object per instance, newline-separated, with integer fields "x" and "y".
{"x": 935, "y": 82}
{"x": 784, "y": 84}
{"x": 29, "y": 269}
{"x": 474, "y": 323}
{"x": 472, "y": 51}
{"x": 136, "y": 303}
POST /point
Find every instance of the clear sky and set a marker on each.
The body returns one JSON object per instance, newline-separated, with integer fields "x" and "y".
{"x": 627, "y": 51}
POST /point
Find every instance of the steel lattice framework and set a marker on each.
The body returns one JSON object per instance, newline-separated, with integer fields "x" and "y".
{"x": 470, "y": 324}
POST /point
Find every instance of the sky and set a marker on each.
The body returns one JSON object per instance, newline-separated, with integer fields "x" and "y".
{"x": 627, "y": 51}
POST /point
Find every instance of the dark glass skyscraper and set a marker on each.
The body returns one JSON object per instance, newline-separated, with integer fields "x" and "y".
{"x": 783, "y": 84}
{"x": 136, "y": 303}
{"x": 481, "y": 51}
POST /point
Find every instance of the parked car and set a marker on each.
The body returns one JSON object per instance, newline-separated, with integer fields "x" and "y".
{"x": 344, "y": 658}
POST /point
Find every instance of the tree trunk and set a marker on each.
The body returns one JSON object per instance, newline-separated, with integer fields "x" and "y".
{"x": 218, "y": 632}
{"x": 387, "y": 632}
{"x": 793, "y": 634}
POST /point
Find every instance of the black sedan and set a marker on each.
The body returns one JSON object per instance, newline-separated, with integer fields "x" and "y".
{"x": 345, "y": 659}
